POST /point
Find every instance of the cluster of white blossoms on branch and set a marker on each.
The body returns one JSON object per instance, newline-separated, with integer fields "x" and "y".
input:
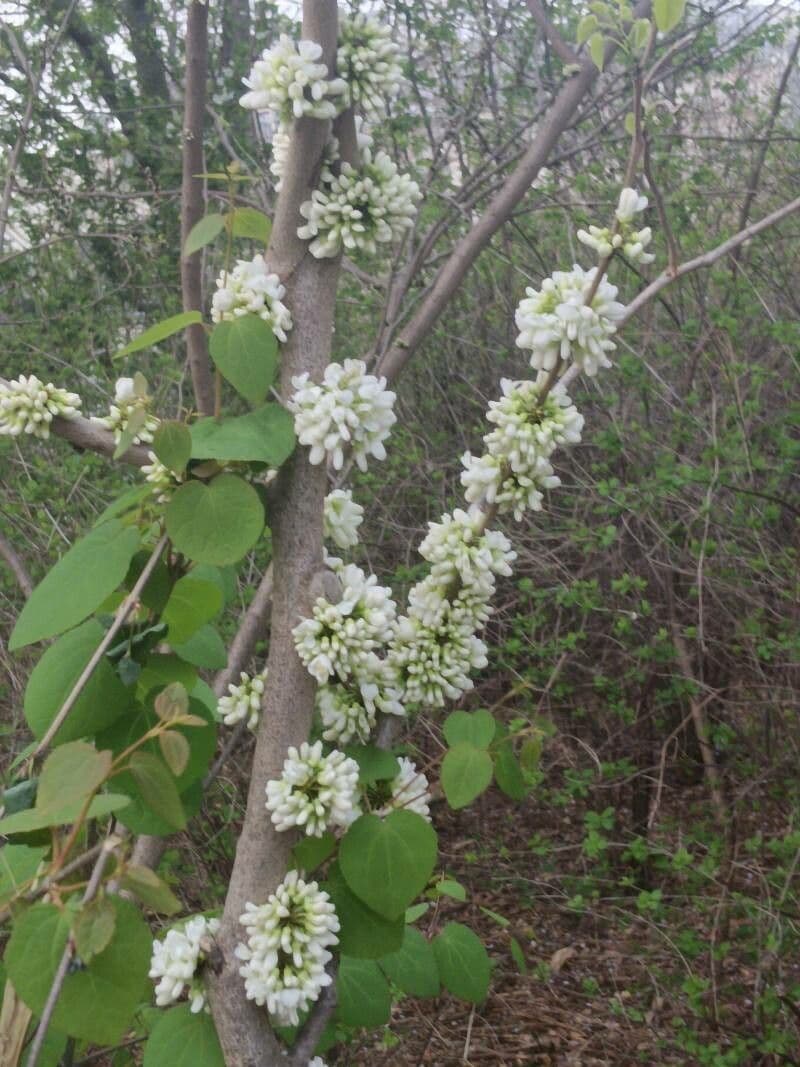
{"x": 515, "y": 469}
{"x": 287, "y": 948}
{"x": 348, "y": 712}
{"x": 250, "y": 289}
{"x": 624, "y": 235}
{"x": 556, "y": 323}
{"x": 163, "y": 480}
{"x": 315, "y": 791}
{"x": 243, "y": 701}
{"x": 350, "y": 408}
{"x": 368, "y": 59}
{"x": 359, "y": 208}
{"x": 342, "y": 518}
{"x": 290, "y": 81}
{"x": 28, "y": 406}
{"x": 175, "y": 961}
{"x": 130, "y": 411}
{"x": 340, "y": 640}
{"x": 410, "y": 791}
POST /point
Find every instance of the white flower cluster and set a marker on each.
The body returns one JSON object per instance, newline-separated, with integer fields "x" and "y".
{"x": 350, "y": 408}
{"x": 340, "y": 640}
{"x": 359, "y": 208}
{"x": 287, "y": 948}
{"x": 290, "y": 80}
{"x": 633, "y": 242}
{"x": 556, "y": 323}
{"x": 175, "y": 961}
{"x": 130, "y": 409}
{"x": 163, "y": 480}
{"x": 342, "y": 518}
{"x": 434, "y": 661}
{"x": 461, "y": 551}
{"x": 28, "y": 406}
{"x": 410, "y": 791}
{"x": 250, "y": 289}
{"x": 243, "y": 701}
{"x": 368, "y": 59}
{"x": 348, "y": 712}
{"x": 515, "y": 469}
{"x": 280, "y": 151}
{"x": 315, "y": 792}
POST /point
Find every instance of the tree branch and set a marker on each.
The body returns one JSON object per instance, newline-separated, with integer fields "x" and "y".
{"x": 557, "y": 42}
{"x": 296, "y": 520}
{"x": 16, "y": 566}
{"x": 706, "y": 259}
{"x": 498, "y": 211}
{"x": 193, "y": 199}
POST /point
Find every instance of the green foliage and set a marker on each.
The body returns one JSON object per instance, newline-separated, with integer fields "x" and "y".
{"x": 475, "y": 728}
{"x": 116, "y": 977}
{"x": 263, "y": 436}
{"x": 102, "y": 700}
{"x": 80, "y": 581}
{"x": 413, "y": 968}
{"x": 216, "y": 523}
{"x": 191, "y": 603}
{"x": 362, "y": 993}
{"x": 464, "y": 966}
{"x": 364, "y": 933}
{"x": 245, "y": 351}
{"x": 387, "y": 862}
{"x": 160, "y": 332}
{"x": 203, "y": 233}
{"x": 183, "y": 1039}
{"x": 172, "y": 443}
{"x": 466, "y": 773}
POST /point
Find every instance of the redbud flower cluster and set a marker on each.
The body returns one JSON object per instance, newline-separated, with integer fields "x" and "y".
{"x": 368, "y": 59}
{"x": 130, "y": 411}
{"x": 631, "y": 241}
{"x": 243, "y": 701}
{"x": 28, "y": 406}
{"x": 250, "y": 289}
{"x": 315, "y": 792}
{"x": 350, "y": 408}
{"x": 175, "y": 961}
{"x": 290, "y": 81}
{"x": 287, "y": 948}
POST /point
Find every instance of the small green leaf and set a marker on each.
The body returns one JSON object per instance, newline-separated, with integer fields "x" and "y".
{"x": 586, "y": 28}
{"x": 150, "y": 889}
{"x": 18, "y": 865}
{"x": 26, "y": 821}
{"x": 364, "y": 934}
{"x": 172, "y": 443}
{"x": 518, "y": 956}
{"x": 264, "y": 436}
{"x": 248, "y": 222}
{"x": 97, "y": 1001}
{"x": 363, "y": 997}
{"x": 136, "y": 422}
{"x": 203, "y": 233}
{"x": 215, "y": 523}
{"x": 205, "y": 648}
{"x": 70, "y": 775}
{"x": 171, "y": 702}
{"x": 103, "y": 699}
{"x": 374, "y": 764}
{"x": 387, "y": 862}
{"x": 508, "y": 773}
{"x": 413, "y": 967}
{"x": 245, "y": 351}
{"x": 81, "y": 580}
{"x": 163, "y": 668}
{"x": 464, "y": 966}
{"x": 466, "y": 773}
{"x": 310, "y": 852}
{"x": 668, "y": 13}
{"x": 93, "y": 927}
{"x": 182, "y": 1038}
{"x": 192, "y": 602}
{"x": 158, "y": 789}
{"x": 175, "y": 750}
{"x": 449, "y": 887}
{"x": 476, "y": 728}
{"x": 597, "y": 49}
{"x": 160, "y": 331}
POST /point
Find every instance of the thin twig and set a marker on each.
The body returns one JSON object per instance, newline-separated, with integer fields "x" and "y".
{"x": 123, "y": 611}
{"x": 109, "y": 845}
{"x": 16, "y": 566}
